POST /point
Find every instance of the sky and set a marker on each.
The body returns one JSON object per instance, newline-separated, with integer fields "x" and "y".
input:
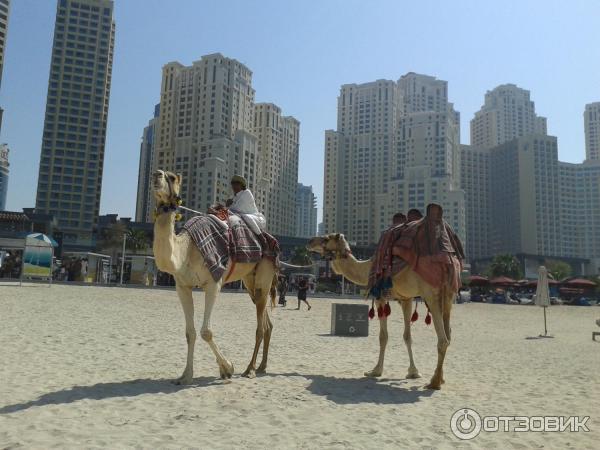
{"x": 300, "y": 53}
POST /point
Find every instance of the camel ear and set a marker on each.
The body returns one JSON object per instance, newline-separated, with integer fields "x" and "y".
{"x": 179, "y": 178}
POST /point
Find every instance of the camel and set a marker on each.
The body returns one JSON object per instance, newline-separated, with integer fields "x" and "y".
{"x": 177, "y": 255}
{"x": 407, "y": 285}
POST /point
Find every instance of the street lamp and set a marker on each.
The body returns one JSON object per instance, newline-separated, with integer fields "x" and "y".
{"x": 123, "y": 257}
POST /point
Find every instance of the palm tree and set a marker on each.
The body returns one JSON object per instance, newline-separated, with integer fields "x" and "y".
{"x": 558, "y": 269}
{"x": 505, "y": 266}
{"x": 137, "y": 240}
{"x": 301, "y": 257}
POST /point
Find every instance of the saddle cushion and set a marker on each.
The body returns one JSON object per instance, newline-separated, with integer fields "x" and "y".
{"x": 428, "y": 246}
{"x": 218, "y": 241}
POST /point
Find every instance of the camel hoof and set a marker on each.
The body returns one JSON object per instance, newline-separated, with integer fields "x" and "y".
{"x": 226, "y": 371}
{"x": 249, "y": 373}
{"x": 262, "y": 370}
{"x": 183, "y": 380}
{"x": 373, "y": 373}
{"x": 433, "y": 385}
{"x": 413, "y": 375}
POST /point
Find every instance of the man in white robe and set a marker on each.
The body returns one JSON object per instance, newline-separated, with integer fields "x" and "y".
{"x": 243, "y": 205}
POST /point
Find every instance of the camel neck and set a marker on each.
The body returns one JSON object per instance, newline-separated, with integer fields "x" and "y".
{"x": 353, "y": 269}
{"x": 164, "y": 242}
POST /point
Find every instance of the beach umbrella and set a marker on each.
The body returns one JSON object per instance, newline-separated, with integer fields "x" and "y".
{"x": 542, "y": 294}
{"x": 476, "y": 280}
{"x": 581, "y": 283}
{"x": 502, "y": 281}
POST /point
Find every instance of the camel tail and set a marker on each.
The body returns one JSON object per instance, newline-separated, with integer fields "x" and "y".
{"x": 273, "y": 291}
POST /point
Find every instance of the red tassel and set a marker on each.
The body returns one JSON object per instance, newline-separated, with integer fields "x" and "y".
{"x": 387, "y": 310}
{"x": 415, "y": 315}
{"x": 380, "y": 312}
{"x": 428, "y": 318}
{"x": 371, "y": 313}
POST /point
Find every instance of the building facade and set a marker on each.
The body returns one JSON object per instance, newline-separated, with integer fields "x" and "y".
{"x": 591, "y": 123}
{"x": 306, "y": 212}
{"x": 475, "y": 181}
{"x": 507, "y": 113}
{"x": 397, "y": 147}
{"x": 203, "y": 130}
{"x": 4, "y": 13}
{"x": 144, "y": 190}
{"x": 278, "y": 140}
{"x": 72, "y": 155}
{"x": 3, "y": 175}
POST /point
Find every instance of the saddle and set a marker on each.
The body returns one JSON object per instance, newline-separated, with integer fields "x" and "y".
{"x": 428, "y": 245}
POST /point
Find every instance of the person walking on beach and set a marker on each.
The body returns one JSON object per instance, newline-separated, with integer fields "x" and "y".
{"x": 302, "y": 290}
{"x": 282, "y": 287}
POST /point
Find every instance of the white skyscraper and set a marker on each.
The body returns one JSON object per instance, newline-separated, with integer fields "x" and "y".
{"x": 507, "y": 113}
{"x": 591, "y": 121}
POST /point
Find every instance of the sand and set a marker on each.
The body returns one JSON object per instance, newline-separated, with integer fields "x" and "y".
{"x": 90, "y": 367}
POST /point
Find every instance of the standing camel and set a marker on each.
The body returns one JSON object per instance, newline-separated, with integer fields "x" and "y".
{"x": 178, "y": 255}
{"x": 407, "y": 284}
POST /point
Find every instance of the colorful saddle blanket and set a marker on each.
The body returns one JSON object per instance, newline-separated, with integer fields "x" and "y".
{"x": 428, "y": 245}
{"x": 218, "y": 241}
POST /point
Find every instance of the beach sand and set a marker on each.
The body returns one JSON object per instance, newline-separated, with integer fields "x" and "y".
{"x": 91, "y": 367}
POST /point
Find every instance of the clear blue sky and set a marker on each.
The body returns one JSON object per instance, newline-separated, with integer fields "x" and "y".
{"x": 300, "y": 53}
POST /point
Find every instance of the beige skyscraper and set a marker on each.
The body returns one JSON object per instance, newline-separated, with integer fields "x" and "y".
{"x": 72, "y": 156}
{"x": 396, "y": 148}
{"x": 278, "y": 143}
{"x": 203, "y": 130}
{"x": 507, "y": 113}
{"x": 360, "y": 157}
{"x": 209, "y": 129}
{"x": 591, "y": 121}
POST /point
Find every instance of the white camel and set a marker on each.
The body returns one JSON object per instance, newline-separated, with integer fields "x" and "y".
{"x": 177, "y": 255}
{"x": 407, "y": 285}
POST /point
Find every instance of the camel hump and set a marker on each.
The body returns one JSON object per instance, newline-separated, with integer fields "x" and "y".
{"x": 435, "y": 212}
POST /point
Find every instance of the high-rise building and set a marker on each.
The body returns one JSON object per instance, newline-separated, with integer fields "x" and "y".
{"x": 507, "y": 113}
{"x": 145, "y": 168}
{"x": 278, "y": 144}
{"x": 72, "y": 155}
{"x": 396, "y": 148}
{"x": 591, "y": 121}
{"x": 3, "y": 175}
{"x": 475, "y": 181}
{"x": 4, "y": 13}
{"x": 360, "y": 157}
{"x": 204, "y": 128}
{"x": 306, "y": 211}
{"x": 525, "y": 197}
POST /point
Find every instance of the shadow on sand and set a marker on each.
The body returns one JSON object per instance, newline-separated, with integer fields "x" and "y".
{"x": 350, "y": 391}
{"x": 101, "y": 391}
{"x": 342, "y": 391}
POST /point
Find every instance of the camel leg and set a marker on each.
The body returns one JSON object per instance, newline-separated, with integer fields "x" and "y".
{"x": 210, "y": 297}
{"x": 407, "y": 313}
{"x": 267, "y": 340}
{"x": 260, "y": 300}
{"x": 443, "y": 342}
{"x": 383, "y": 339}
{"x": 187, "y": 303}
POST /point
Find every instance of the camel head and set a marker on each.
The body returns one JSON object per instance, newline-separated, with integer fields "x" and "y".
{"x": 330, "y": 246}
{"x": 166, "y": 187}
